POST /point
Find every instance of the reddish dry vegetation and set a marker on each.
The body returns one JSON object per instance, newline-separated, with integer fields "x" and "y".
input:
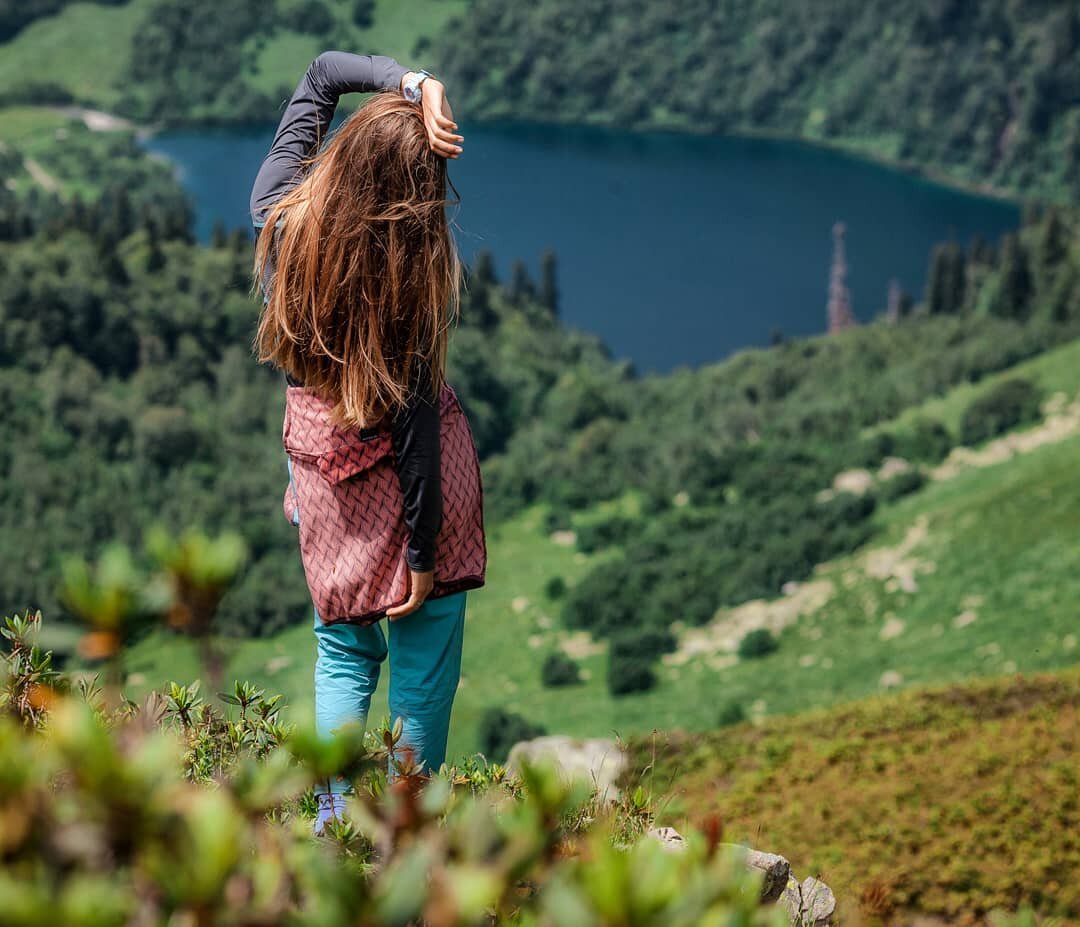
{"x": 949, "y": 802}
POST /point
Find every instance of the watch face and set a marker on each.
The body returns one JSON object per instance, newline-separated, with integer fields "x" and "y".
{"x": 412, "y": 92}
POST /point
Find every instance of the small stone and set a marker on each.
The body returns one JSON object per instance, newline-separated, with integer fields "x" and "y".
{"x": 599, "y": 761}
{"x": 893, "y": 627}
{"x": 278, "y": 663}
{"x": 810, "y": 903}
{"x": 519, "y": 604}
{"x": 964, "y": 619}
{"x": 890, "y": 679}
{"x": 669, "y": 839}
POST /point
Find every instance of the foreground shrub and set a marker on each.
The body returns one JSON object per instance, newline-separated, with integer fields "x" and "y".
{"x": 928, "y": 440}
{"x": 1009, "y": 404}
{"x": 758, "y": 643}
{"x": 180, "y": 811}
{"x": 501, "y": 729}
{"x": 559, "y": 670}
{"x": 555, "y": 588}
{"x": 732, "y": 713}
{"x": 901, "y": 485}
{"x": 630, "y": 674}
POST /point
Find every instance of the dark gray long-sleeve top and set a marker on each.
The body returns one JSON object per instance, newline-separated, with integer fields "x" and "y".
{"x": 414, "y": 428}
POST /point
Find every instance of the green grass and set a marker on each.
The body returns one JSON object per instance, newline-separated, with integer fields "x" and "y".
{"x": 933, "y": 806}
{"x": 1055, "y": 371}
{"x": 84, "y": 48}
{"x": 26, "y": 127}
{"x": 279, "y": 61}
{"x": 79, "y": 160}
{"x": 999, "y": 544}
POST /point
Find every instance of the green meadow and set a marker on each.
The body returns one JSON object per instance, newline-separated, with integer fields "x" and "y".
{"x": 976, "y": 574}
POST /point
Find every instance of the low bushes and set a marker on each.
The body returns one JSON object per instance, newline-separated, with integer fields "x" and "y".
{"x": 185, "y": 811}
{"x": 1009, "y": 404}
{"x": 758, "y": 643}
{"x": 559, "y": 670}
{"x": 500, "y": 729}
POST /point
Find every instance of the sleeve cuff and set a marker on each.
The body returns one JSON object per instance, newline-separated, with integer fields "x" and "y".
{"x": 420, "y": 561}
{"x": 388, "y": 73}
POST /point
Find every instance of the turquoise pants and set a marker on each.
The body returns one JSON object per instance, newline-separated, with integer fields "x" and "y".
{"x": 425, "y": 668}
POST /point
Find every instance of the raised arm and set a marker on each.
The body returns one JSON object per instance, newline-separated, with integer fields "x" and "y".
{"x": 307, "y": 118}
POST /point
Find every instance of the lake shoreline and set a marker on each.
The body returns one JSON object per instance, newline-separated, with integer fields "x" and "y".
{"x": 101, "y": 121}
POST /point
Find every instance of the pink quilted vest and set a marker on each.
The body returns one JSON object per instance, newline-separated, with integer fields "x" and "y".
{"x": 345, "y": 493}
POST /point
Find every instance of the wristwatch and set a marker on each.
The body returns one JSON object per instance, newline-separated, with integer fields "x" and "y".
{"x": 411, "y": 89}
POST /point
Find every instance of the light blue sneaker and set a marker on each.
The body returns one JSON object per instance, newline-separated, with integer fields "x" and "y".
{"x": 330, "y": 806}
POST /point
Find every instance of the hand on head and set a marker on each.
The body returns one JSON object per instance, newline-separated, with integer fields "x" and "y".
{"x": 439, "y": 120}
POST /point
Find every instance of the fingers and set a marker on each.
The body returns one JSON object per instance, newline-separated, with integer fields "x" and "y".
{"x": 439, "y": 122}
{"x": 400, "y": 611}
{"x": 442, "y": 138}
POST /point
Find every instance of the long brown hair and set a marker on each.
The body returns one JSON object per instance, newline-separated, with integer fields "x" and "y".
{"x": 365, "y": 273}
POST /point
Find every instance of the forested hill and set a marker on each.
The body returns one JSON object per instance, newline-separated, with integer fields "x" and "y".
{"x": 980, "y": 91}
{"x": 983, "y": 92}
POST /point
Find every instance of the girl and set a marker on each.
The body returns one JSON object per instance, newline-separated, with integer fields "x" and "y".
{"x": 360, "y": 283}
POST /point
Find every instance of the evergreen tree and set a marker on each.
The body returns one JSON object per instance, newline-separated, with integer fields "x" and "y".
{"x": 549, "y": 284}
{"x": 1013, "y": 291}
{"x": 946, "y": 284}
{"x": 839, "y": 307}
{"x": 898, "y": 303}
{"x": 155, "y": 257}
{"x": 1051, "y": 249}
{"x": 522, "y": 288}
{"x": 218, "y": 238}
{"x": 483, "y": 268}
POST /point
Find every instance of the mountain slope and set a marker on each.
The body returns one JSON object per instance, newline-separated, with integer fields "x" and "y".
{"x": 931, "y": 807}
{"x": 973, "y": 575}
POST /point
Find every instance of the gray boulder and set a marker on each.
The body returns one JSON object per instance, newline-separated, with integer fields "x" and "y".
{"x": 599, "y": 760}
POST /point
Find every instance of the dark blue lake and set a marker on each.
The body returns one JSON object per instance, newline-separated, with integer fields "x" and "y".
{"x": 675, "y": 249}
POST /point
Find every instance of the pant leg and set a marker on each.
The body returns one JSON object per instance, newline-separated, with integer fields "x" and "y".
{"x": 347, "y": 666}
{"x": 425, "y": 668}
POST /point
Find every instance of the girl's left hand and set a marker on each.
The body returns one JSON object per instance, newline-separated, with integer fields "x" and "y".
{"x": 420, "y": 586}
{"x": 439, "y": 120}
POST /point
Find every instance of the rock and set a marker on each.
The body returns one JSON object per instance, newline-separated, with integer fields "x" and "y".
{"x": 776, "y": 872}
{"x": 669, "y": 838}
{"x": 600, "y": 760}
{"x": 810, "y": 903}
{"x": 890, "y": 679}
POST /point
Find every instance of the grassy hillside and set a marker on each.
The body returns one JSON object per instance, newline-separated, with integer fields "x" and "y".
{"x": 974, "y": 575}
{"x": 934, "y": 806}
{"x": 84, "y": 49}
{"x": 236, "y": 63}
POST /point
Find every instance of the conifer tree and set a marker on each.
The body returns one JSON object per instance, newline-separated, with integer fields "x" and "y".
{"x": 549, "y": 282}
{"x": 1014, "y": 285}
{"x": 898, "y": 303}
{"x": 946, "y": 284}
{"x": 483, "y": 268}
{"x": 522, "y": 287}
{"x": 839, "y": 307}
